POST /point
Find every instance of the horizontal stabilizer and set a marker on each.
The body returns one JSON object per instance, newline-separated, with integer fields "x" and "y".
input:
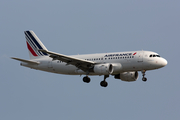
{"x": 26, "y": 61}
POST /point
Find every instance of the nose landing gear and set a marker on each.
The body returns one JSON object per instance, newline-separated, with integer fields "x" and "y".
{"x": 143, "y": 74}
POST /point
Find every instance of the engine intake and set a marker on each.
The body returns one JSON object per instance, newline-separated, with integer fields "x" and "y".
{"x": 103, "y": 69}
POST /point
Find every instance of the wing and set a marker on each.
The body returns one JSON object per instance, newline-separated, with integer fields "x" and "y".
{"x": 82, "y": 64}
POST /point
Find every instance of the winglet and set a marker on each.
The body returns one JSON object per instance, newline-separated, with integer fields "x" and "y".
{"x": 42, "y": 50}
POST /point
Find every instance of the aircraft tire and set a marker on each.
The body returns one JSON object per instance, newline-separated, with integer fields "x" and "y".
{"x": 86, "y": 79}
{"x": 103, "y": 83}
{"x": 144, "y": 79}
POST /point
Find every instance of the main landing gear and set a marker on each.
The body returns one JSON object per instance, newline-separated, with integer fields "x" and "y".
{"x": 103, "y": 83}
{"x": 86, "y": 79}
{"x": 143, "y": 74}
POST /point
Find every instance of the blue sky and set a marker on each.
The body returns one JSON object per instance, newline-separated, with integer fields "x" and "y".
{"x": 79, "y": 27}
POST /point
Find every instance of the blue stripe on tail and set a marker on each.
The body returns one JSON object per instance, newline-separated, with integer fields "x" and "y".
{"x": 28, "y": 34}
{"x": 32, "y": 44}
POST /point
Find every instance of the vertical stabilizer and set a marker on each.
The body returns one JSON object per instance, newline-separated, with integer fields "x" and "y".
{"x": 34, "y": 45}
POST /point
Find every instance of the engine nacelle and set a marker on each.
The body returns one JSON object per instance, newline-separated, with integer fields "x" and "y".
{"x": 103, "y": 69}
{"x": 127, "y": 76}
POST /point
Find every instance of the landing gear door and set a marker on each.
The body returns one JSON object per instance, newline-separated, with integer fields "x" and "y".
{"x": 140, "y": 56}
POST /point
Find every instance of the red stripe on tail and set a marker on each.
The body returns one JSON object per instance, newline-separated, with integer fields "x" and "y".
{"x": 31, "y": 50}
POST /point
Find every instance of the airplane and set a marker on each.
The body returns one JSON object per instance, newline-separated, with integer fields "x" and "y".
{"x": 121, "y": 65}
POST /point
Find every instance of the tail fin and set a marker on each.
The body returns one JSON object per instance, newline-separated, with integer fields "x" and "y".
{"x": 34, "y": 45}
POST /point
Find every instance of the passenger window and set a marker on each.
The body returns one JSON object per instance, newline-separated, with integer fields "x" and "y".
{"x": 150, "y": 56}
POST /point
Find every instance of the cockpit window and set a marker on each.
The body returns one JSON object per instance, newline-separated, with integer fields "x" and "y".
{"x": 154, "y": 55}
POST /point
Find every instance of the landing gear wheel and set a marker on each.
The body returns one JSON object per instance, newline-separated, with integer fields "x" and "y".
{"x": 104, "y": 83}
{"x": 144, "y": 79}
{"x": 86, "y": 79}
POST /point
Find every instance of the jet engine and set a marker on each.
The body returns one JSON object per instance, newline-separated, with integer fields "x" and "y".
{"x": 103, "y": 69}
{"x": 127, "y": 76}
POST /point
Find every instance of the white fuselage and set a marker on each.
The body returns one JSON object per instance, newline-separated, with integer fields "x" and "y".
{"x": 121, "y": 61}
{"x": 122, "y": 65}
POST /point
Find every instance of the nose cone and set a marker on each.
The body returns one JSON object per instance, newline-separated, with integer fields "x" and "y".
{"x": 164, "y": 62}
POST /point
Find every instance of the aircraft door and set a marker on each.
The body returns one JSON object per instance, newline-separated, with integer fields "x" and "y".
{"x": 140, "y": 56}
